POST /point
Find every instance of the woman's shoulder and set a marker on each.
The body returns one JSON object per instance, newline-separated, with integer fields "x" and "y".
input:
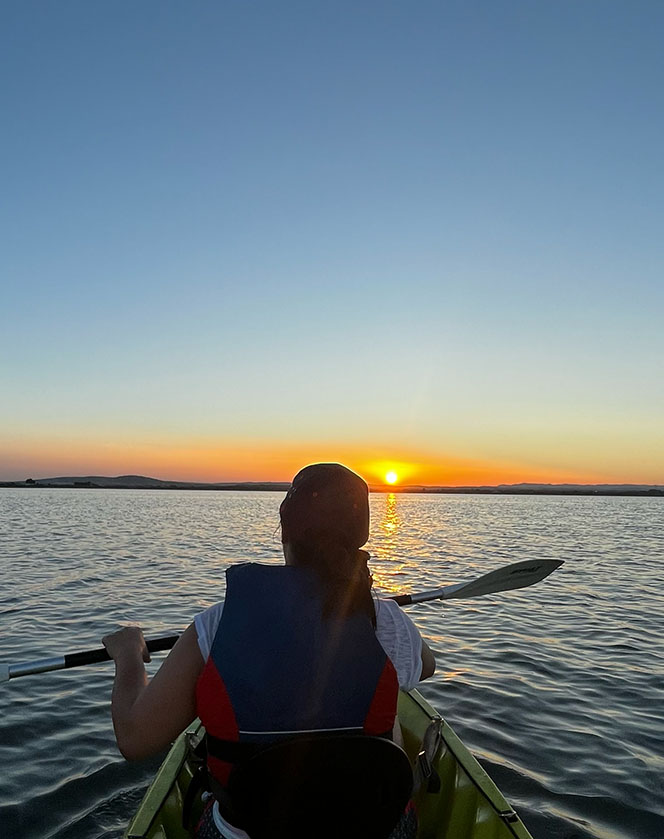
{"x": 207, "y": 623}
{"x": 391, "y": 617}
{"x": 391, "y": 610}
{"x": 386, "y": 608}
{"x": 401, "y": 640}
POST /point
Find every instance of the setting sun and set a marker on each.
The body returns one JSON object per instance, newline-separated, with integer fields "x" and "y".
{"x": 391, "y": 477}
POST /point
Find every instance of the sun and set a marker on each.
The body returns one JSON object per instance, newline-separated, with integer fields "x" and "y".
{"x": 391, "y": 477}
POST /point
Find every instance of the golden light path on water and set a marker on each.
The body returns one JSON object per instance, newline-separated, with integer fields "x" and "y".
{"x": 390, "y": 563}
{"x": 383, "y": 566}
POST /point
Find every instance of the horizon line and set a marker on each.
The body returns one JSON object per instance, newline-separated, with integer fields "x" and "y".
{"x": 86, "y": 481}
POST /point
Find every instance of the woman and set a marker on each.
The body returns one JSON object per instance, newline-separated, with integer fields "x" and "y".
{"x": 293, "y": 648}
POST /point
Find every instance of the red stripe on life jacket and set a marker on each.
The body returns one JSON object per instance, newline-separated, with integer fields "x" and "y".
{"x": 214, "y": 708}
{"x": 213, "y": 705}
{"x": 382, "y": 711}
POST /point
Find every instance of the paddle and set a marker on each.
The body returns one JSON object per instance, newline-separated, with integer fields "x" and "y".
{"x": 517, "y": 575}
{"x": 64, "y": 662}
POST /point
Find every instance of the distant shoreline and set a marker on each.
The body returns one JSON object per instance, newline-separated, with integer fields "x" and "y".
{"x": 140, "y": 482}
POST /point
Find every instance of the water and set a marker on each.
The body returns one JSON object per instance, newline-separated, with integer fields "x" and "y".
{"x": 558, "y": 689}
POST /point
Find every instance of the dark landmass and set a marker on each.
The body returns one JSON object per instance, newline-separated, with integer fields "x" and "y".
{"x": 141, "y": 482}
{"x": 534, "y": 489}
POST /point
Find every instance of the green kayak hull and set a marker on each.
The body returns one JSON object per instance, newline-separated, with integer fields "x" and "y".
{"x": 467, "y": 805}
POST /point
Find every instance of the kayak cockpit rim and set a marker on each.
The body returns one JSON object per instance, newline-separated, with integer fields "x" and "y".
{"x": 469, "y": 763}
{"x": 162, "y": 785}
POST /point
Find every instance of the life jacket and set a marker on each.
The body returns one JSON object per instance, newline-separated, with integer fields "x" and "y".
{"x": 278, "y": 669}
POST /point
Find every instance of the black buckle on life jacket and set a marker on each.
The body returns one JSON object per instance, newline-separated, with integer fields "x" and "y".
{"x": 231, "y": 751}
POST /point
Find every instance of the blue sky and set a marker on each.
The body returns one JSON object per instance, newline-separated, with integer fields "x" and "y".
{"x": 428, "y": 226}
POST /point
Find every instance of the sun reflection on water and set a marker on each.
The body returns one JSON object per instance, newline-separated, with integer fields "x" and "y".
{"x": 391, "y": 521}
{"x": 387, "y": 566}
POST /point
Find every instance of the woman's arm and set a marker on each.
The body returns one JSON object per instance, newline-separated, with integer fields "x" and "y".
{"x": 428, "y": 661}
{"x": 149, "y": 714}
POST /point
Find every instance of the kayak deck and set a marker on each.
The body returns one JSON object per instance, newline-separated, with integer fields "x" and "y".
{"x": 468, "y": 804}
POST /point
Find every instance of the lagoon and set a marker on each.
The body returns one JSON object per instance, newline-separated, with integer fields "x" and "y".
{"x": 558, "y": 689}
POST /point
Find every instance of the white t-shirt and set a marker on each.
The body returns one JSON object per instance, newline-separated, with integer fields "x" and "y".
{"x": 398, "y": 636}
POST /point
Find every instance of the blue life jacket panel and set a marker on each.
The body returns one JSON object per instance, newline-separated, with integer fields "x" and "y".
{"x": 278, "y": 668}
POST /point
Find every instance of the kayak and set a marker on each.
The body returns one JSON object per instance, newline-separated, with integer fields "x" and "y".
{"x": 454, "y": 796}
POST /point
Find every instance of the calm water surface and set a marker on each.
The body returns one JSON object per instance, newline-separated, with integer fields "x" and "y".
{"x": 558, "y": 689}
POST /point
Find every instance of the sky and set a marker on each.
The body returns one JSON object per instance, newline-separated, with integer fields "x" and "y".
{"x": 237, "y": 237}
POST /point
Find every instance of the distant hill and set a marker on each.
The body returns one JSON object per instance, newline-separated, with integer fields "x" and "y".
{"x": 580, "y": 487}
{"x": 142, "y": 482}
{"x": 133, "y": 481}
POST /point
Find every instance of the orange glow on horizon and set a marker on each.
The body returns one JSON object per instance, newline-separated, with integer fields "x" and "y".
{"x": 267, "y": 460}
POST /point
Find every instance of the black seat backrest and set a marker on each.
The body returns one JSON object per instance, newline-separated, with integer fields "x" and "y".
{"x": 338, "y": 787}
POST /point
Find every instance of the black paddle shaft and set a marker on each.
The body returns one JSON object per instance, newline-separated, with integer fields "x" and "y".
{"x": 93, "y": 656}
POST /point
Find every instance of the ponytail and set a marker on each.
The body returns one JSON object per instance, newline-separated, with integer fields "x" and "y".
{"x": 341, "y": 569}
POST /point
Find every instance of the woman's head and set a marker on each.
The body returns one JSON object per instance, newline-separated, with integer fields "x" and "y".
{"x": 324, "y": 523}
{"x": 326, "y": 497}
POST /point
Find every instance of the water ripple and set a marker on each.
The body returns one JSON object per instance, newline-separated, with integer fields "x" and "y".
{"x": 557, "y": 688}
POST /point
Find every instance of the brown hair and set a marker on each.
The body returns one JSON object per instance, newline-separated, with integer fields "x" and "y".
{"x": 325, "y": 522}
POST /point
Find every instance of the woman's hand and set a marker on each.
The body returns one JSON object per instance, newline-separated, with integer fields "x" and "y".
{"x": 126, "y": 642}
{"x": 149, "y": 714}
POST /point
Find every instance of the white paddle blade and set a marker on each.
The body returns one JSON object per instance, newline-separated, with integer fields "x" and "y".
{"x": 517, "y": 575}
